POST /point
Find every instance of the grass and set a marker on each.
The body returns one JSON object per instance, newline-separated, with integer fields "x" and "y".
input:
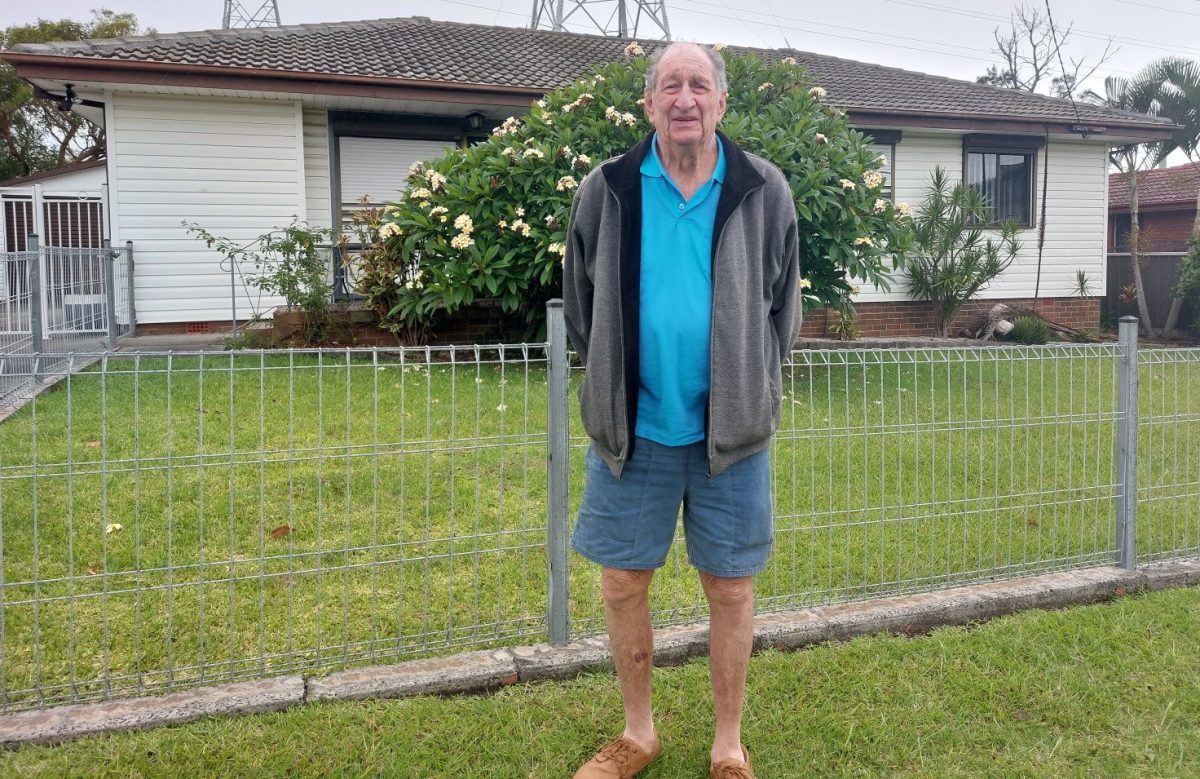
{"x": 310, "y": 511}
{"x": 1107, "y": 690}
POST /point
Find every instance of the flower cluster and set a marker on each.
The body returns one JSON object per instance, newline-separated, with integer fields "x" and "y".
{"x": 509, "y": 125}
{"x": 616, "y": 117}
{"x": 465, "y": 226}
{"x": 388, "y": 230}
{"x": 583, "y": 101}
{"x": 873, "y": 179}
{"x": 534, "y": 153}
{"x": 788, "y": 60}
{"x": 764, "y": 86}
{"x": 816, "y": 93}
{"x": 567, "y": 183}
{"x": 634, "y": 50}
{"x": 557, "y": 248}
{"x": 847, "y": 184}
{"x": 440, "y": 212}
{"x": 864, "y": 240}
{"x": 880, "y": 205}
{"x": 820, "y": 139}
{"x": 903, "y": 209}
{"x": 520, "y": 226}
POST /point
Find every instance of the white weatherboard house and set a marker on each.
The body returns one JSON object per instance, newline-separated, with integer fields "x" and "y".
{"x": 240, "y": 130}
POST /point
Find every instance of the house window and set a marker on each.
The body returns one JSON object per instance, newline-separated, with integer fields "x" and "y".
{"x": 883, "y": 144}
{"x": 1001, "y": 169}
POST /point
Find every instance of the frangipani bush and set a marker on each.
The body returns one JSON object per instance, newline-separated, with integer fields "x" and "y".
{"x": 491, "y": 220}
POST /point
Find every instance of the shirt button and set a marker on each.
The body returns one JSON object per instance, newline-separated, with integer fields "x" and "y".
{"x": 681, "y": 205}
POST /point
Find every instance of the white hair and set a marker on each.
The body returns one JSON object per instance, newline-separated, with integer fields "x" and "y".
{"x": 714, "y": 58}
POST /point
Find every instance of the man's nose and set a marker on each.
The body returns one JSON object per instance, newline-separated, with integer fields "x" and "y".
{"x": 685, "y": 98}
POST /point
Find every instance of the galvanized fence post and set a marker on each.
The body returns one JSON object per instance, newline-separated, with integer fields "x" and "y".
{"x": 129, "y": 284}
{"x": 558, "y": 605}
{"x": 37, "y": 332}
{"x": 108, "y": 259}
{"x": 1127, "y": 440}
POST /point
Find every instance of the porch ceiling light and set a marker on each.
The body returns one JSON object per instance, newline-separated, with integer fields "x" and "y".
{"x": 475, "y": 120}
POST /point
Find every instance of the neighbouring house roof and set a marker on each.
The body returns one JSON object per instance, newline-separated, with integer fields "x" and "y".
{"x": 482, "y": 59}
{"x": 46, "y": 175}
{"x": 1177, "y": 185}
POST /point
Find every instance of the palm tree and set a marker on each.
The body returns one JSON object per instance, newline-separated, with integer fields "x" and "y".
{"x": 1180, "y": 99}
{"x": 1139, "y": 94}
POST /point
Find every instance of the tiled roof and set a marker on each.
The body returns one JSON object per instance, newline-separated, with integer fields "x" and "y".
{"x": 1160, "y": 186}
{"x": 419, "y": 49}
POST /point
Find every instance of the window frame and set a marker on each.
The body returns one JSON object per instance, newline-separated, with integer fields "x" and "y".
{"x": 1024, "y": 146}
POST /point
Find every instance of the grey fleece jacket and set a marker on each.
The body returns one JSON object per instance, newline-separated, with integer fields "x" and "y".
{"x": 755, "y": 308}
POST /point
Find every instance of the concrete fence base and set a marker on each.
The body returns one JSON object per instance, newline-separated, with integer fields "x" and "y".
{"x": 490, "y": 669}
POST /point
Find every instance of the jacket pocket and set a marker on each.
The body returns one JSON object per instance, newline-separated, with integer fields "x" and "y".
{"x": 602, "y": 410}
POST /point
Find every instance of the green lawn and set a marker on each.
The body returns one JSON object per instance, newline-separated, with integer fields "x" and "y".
{"x": 1109, "y": 690}
{"x": 413, "y": 497}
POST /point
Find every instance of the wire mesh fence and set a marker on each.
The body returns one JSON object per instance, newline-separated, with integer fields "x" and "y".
{"x": 56, "y": 301}
{"x": 169, "y": 520}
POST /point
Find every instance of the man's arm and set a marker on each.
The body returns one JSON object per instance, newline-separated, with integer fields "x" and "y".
{"x": 786, "y": 308}
{"x": 577, "y": 284}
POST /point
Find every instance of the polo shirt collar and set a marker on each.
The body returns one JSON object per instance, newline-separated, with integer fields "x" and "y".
{"x": 652, "y": 165}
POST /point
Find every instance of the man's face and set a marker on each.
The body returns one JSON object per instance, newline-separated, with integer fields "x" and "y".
{"x": 684, "y": 105}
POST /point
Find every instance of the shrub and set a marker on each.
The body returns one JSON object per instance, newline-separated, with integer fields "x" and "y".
{"x": 491, "y": 220}
{"x": 951, "y": 260}
{"x": 1029, "y": 329}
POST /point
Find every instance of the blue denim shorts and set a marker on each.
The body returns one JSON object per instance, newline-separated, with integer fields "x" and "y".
{"x": 629, "y": 523}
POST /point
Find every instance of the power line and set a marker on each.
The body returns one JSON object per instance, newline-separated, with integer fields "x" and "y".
{"x": 1157, "y": 7}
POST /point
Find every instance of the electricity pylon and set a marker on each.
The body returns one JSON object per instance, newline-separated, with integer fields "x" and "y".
{"x": 621, "y": 19}
{"x": 236, "y": 15}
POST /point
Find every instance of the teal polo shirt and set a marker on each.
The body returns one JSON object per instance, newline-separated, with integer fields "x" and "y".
{"x": 676, "y": 303}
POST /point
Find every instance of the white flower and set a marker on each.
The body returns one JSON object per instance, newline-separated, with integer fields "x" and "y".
{"x": 567, "y": 182}
{"x": 509, "y": 152}
{"x": 789, "y": 60}
{"x": 501, "y": 408}
{"x": 718, "y": 47}
{"x": 557, "y": 248}
{"x": 612, "y": 114}
{"x": 816, "y": 93}
{"x": 502, "y": 224}
{"x": 519, "y": 226}
{"x": 416, "y": 168}
{"x": 820, "y": 139}
{"x": 113, "y": 528}
{"x": 520, "y": 210}
{"x": 420, "y": 193}
{"x": 549, "y": 120}
{"x": 863, "y": 241}
{"x": 904, "y": 209}
{"x": 507, "y": 126}
{"x": 436, "y": 180}
{"x": 873, "y": 179}
{"x": 463, "y": 222}
{"x": 764, "y": 86}
{"x": 461, "y": 241}
{"x": 541, "y": 104}
{"x": 880, "y": 205}
{"x": 641, "y": 101}
{"x": 805, "y": 284}
{"x": 599, "y": 79}
{"x": 854, "y": 291}
{"x": 634, "y": 50}
{"x": 847, "y": 184}
{"x": 629, "y": 119}
{"x": 439, "y": 211}
{"x": 883, "y": 159}
{"x": 534, "y": 152}
{"x": 388, "y": 230}
{"x": 551, "y": 220}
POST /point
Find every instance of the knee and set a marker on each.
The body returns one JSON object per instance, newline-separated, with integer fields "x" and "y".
{"x": 728, "y": 591}
{"x": 624, "y": 587}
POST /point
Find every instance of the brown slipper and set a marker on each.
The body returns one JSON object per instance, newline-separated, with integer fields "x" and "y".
{"x": 621, "y": 759}
{"x": 732, "y": 768}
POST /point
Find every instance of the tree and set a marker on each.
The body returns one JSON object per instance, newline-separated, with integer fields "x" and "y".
{"x": 491, "y": 220}
{"x": 1033, "y": 53}
{"x": 1139, "y": 94}
{"x": 950, "y": 259}
{"x": 34, "y": 134}
{"x": 1180, "y": 98}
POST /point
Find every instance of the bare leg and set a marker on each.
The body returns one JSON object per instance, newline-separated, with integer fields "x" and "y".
{"x": 627, "y": 611}
{"x": 730, "y": 641}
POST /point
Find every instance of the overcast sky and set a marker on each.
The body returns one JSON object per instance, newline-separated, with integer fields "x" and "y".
{"x": 947, "y": 37}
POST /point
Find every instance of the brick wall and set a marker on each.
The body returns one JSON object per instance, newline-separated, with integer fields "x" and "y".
{"x": 915, "y": 318}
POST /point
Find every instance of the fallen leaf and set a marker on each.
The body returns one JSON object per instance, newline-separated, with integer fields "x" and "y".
{"x": 281, "y": 531}
{"x": 1032, "y": 521}
{"x": 1120, "y": 590}
{"x": 113, "y": 528}
{"x": 91, "y": 444}
{"x": 94, "y": 569}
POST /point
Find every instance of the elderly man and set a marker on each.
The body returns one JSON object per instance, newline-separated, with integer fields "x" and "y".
{"x": 682, "y": 298}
